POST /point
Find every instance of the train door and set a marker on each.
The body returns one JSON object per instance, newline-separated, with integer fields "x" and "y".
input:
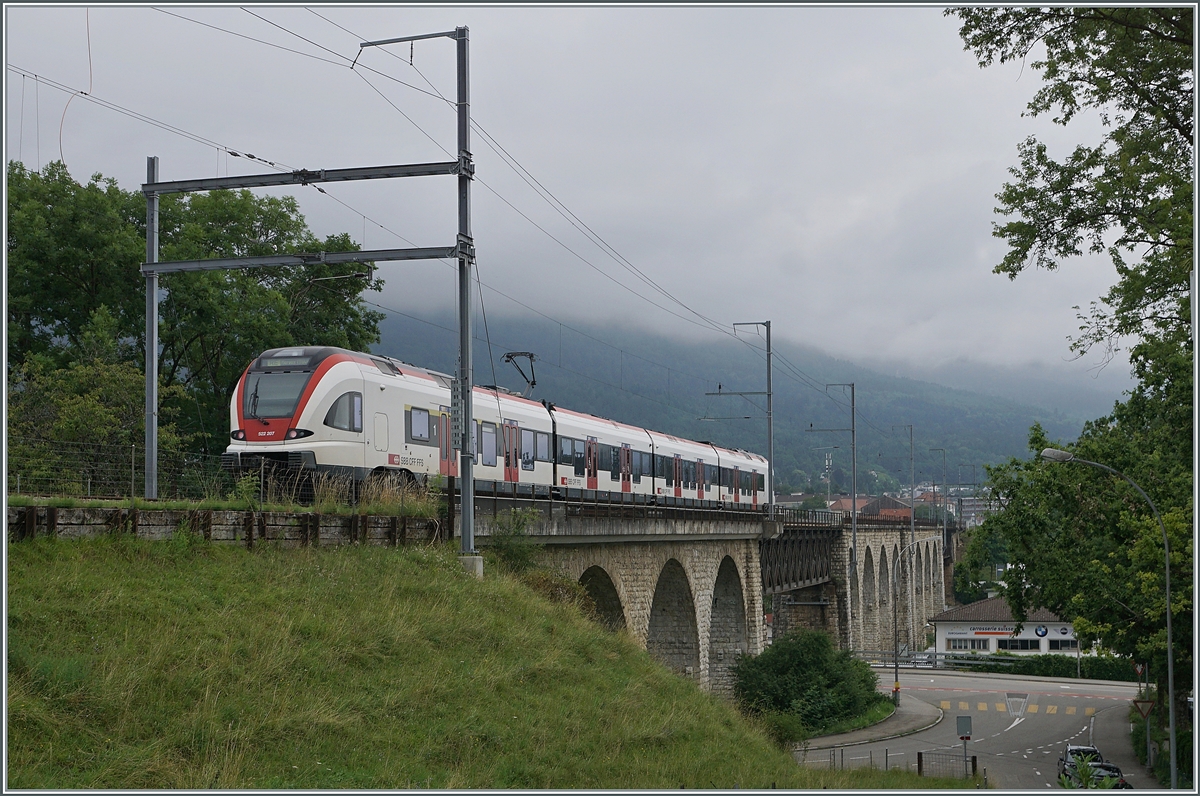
{"x": 512, "y": 462}
{"x": 677, "y": 463}
{"x": 447, "y": 456}
{"x": 700, "y": 479}
{"x": 754, "y": 487}
{"x": 737, "y": 485}
{"x": 626, "y": 469}
{"x": 592, "y": 452}
{"x": 381, "y": 431}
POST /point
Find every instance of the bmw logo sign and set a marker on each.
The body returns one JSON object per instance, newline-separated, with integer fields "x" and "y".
{"x": 1040, "y": 630}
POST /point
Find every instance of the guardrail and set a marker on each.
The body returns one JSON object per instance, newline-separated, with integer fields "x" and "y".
{"x": 931, "y": 660}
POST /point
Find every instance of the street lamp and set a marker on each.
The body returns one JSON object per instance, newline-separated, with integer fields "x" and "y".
{"x": 1055, "y": 455}
{"x": 896, "y": 620}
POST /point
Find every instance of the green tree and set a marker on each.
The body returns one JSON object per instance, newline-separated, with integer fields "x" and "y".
{"x": 1079, "y": 541}
{"x": 1131, "y": 194}
{"x": 1084, "y": 544}
{"x": 76, "y": 413}
{"x": 71, "y": 249}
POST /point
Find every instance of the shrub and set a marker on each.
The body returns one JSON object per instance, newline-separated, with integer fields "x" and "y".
{"x": 804, "y": 676}
{"x": 510, "y": 541}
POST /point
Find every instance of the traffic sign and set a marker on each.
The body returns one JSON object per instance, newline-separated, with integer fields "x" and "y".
{"x": 964, "y": 728}
{"x": 1139, "y": 667}
{"x": 1144, "y": 706}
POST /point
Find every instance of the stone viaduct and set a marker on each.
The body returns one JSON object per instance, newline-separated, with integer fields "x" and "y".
{"x": 693, "y": 586}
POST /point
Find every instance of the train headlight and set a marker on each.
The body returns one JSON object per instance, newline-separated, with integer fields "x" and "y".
{"x": 239, "y": 434}
{"x": 297, "y": 433}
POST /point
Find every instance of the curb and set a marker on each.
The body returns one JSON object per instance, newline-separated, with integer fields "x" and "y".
{"x": 934, "y": 723}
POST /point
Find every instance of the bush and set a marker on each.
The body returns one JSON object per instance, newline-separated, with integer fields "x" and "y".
{"x": 803, "y": 676}
{"x": 1090, "y": 667}
{"x": 510, "y": 541}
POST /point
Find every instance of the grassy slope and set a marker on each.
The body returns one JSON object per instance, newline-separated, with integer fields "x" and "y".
{"x": 184, "y": 665}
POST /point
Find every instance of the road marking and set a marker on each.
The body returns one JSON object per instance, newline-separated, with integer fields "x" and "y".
{"x": 1000, "y": 707}
{"x": 1071, "y": 710}
{"x": 1031, "y": 709}
{"x": 1016, "y": 721}
{"x": 963, "y": 706}
{"x": 945, "y": 704}
{"x": 982, "y": 706}
{"x": 1052, "y": 708}
{"x": 1089, "y": 711}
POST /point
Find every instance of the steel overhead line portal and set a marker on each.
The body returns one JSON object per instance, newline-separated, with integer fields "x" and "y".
{"x": 463, "y": 250}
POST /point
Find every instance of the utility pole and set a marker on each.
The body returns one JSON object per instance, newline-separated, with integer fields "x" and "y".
{"x": 912, "y": 510}
{"x": 828, "y": 472}
{"x": 770, "y": 418}
{"x": 463, "y": 251}
{"x": 853, "y": 486}
{"x": 945, "y": 498}
{"x": 151, "y": 336}
{"x": 461, "y": 414}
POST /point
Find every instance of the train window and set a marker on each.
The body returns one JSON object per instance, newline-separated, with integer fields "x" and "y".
{"x": 346, "y": 412}
{"x": 566, "y": 450}
{"x": 614, "y": 462}
{"x": 526, "y": 449}
{"x": 488, "y": 448}
{"x": 647, "y": 464}
{"x": 543, "y": 447}
{"x": 762, "y": 483}
{"x": 636, "y": 465}
{"x": 580, "y": 462}
{"x": 419, "y": 425}
{"x": 386, "y": 367}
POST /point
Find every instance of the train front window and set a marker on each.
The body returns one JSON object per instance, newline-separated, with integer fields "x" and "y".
{"x": 273, "y": 394}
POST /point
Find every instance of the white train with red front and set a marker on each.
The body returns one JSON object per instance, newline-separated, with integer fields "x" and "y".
{"x": 324, "y": 409}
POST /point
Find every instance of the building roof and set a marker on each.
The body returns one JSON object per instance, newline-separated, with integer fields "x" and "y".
{"x": 993, "y": 609}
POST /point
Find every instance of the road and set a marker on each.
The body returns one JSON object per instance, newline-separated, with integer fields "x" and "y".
{"x": 1020, "y": 726}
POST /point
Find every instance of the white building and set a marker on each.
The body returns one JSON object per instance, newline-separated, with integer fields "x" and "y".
{"x": 987, "y": 626}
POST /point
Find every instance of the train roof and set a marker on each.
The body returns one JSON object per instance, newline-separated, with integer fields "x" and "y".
{"x": 315, "y": 354}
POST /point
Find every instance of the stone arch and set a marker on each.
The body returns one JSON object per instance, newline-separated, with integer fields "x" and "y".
{"x": 727, "y": 628}
{"x": 672, "y": 637}
{"x": 600, "y": 588}
{"x": 870, "y": 606}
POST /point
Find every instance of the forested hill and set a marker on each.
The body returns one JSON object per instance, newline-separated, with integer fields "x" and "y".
{"x": 660, "y": 382}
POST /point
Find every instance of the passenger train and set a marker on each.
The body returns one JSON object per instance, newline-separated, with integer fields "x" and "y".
{"x": 324, "y": 409}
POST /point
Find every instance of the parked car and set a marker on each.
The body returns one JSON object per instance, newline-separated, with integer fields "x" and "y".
{"x": 1073, "y": 752}
{"x": 1100, "y": 771}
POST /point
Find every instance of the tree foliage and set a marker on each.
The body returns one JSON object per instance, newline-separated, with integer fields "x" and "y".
{"x": 1129, "y": 195}
{"x": 73, "y": 248}
{"x": 802, "y": 674}
{"x": 1078, "y": 540}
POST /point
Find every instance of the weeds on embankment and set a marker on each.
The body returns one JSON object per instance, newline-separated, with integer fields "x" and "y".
{"x": 325, "y": 493}
{"x": 180, "y": 664}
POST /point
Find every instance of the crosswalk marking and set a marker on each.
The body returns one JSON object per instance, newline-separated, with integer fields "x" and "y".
{"x": 945, "y": 704}
{"x": 963, "y": 706}
{"x": 1071, "y": 710}
{"x": 1031, "y": 709}
{"x": 1000, "y": 707}
{"x": 1052, "y": 708}
{"x": 982, "y": 706}
{"x": 1089, "y": 711}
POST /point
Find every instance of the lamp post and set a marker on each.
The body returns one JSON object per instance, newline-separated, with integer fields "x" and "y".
{"x": 895, "y": 619}
{"x": 1055, "y": 455}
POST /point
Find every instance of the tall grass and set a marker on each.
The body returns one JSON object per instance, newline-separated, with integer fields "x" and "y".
{"x": 177, "y": 664}
{"x": 330, "y": 494}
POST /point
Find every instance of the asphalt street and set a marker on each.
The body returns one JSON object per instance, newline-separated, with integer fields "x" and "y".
{"x": 1020, "y": 727}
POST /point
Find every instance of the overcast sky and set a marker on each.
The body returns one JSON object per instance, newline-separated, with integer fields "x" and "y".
{"x": 832, "y": 169}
